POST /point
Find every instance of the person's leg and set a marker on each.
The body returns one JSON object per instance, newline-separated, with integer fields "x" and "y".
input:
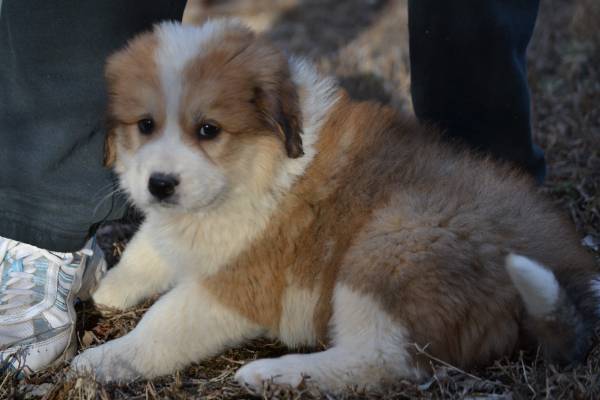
{"x": 53, "y": 187}
{"x": 468, "y": 73}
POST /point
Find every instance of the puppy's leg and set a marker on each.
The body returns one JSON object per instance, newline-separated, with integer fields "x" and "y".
{"x": 368, "y": 348}
{"x": 185, "y": 325}
{"x": 140, "y": 274}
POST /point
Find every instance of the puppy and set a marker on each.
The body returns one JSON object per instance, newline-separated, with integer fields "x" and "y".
{"x": 276, "y": 206}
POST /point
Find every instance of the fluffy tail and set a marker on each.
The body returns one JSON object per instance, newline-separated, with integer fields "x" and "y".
{"x": 554, "y": 320}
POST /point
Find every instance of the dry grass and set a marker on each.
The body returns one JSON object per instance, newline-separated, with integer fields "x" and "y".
{"x": 365, "y": 44}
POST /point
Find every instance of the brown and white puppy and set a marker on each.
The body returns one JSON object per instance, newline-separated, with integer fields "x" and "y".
{"x": 278, "y": 206}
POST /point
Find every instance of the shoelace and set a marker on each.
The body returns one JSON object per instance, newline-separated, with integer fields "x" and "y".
{"x": 18, "y": 289}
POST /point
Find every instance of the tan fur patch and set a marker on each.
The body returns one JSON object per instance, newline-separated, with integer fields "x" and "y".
{"x": 243, "y": 86}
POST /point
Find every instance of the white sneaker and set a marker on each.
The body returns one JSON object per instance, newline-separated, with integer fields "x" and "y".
{"x": 37, "y": 295}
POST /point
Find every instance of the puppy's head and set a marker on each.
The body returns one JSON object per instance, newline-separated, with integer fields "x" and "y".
{"x": 200, "y": 114}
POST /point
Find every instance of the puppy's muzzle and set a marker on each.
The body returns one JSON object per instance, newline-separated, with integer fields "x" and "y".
{"x": 162, "y": 186}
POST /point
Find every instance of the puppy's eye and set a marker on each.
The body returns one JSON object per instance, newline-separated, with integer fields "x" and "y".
{"x": 146, "y": 126}
{"x": 208, "y": 131}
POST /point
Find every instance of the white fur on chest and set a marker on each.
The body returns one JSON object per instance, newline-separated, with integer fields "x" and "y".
{"x": 199, "y": 244}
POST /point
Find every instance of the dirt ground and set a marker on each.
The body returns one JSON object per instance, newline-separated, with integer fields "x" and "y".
{"x": 365, "y": 44}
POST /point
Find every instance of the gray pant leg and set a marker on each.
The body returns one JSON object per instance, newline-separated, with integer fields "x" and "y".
{"x": 53, "y": 187}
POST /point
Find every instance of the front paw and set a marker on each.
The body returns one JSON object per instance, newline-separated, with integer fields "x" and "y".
{"x": 106, "y": 363}
{"x": 113, "y": 293}
{"x": 285, "y": 371}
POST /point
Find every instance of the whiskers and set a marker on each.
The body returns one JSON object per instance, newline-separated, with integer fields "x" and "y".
{"x": 114, "y": 190}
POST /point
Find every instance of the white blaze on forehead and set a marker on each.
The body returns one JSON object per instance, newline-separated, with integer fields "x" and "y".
{"x": 177, "y": 46}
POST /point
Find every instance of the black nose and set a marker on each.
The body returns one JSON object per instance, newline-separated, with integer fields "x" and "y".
{"x": 162, "y": 186}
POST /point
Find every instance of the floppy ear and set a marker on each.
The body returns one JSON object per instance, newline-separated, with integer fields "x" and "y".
{"x": 122, "y": 70}
{"x": 110, "y": 76}
{"x": 110, "y": 152}
{"x": 277, "y": 100}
